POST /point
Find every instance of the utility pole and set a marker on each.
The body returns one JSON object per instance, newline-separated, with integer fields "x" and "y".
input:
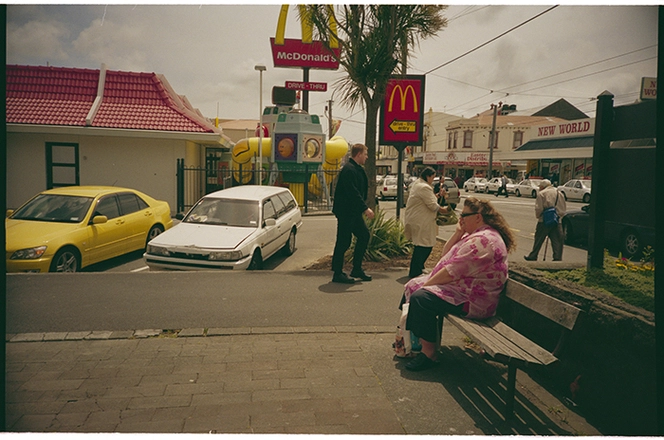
{"x": 329, "y": 119}
{"x": 404, "y": 63}
{"x": 492, "y": 138}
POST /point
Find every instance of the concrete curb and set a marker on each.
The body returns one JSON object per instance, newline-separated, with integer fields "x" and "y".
{"x": 188, "y": 332}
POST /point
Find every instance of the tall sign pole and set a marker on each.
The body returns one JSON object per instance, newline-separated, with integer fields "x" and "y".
{"x": 492, "y": 139}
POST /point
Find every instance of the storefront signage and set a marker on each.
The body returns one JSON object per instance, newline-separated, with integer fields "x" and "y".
{"x": 289, "y": 52}
{"x": 648, "y": 88}
{"x": 310, "y": 86}
{"x": 460, "y": 159}
{"x": 581, "y": 127}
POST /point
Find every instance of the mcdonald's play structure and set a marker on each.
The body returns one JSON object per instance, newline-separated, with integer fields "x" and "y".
{"x": 297, "y": 148}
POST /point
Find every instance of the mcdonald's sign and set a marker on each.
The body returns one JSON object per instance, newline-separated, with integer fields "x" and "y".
{"x": 401, "y": 115}
{"x": 289, "y": 52}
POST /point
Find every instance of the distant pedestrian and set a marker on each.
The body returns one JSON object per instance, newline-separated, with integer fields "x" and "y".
{"x": 350, "y": 197}
{"x": 548, "y": 197}
{"x": 503, "y": 186}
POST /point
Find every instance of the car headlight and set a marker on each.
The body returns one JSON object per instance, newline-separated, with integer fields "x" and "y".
{"x": 28, "y": 254}
{"x": 158, "y": 250}
{"x": 225, "y": 255}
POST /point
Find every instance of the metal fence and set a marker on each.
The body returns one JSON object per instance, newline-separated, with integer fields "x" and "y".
{"x": 313, "y": 188}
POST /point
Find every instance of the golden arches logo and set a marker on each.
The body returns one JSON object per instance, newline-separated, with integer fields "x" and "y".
{"x": 403, "y": 94}
{"x": 307, "y": 26}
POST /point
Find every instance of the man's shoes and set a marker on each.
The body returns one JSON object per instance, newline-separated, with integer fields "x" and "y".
{"x": 420, "y": 363}
{"x": 342, "y": 278}
{"x": 361, "y": 275}
{"x": 525, "y": 257}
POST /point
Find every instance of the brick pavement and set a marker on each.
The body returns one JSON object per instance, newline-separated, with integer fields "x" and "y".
{"x": 327, "y": 380}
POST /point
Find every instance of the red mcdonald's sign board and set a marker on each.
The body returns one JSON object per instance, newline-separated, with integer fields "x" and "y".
{"x": 402, "y": 112}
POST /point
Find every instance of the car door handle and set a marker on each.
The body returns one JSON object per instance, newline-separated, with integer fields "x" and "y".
{"x": 148, "y": 213}
{"x": 120, "y": 222}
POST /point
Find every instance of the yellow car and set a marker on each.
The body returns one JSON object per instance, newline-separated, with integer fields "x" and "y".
{"x": 66, "y": 229}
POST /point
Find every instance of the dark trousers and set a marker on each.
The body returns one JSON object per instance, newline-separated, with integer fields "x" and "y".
{"x": 555, "y": 233}
{"x": 420, "y": 255}
{"x": 346, "y": 228}
{"x": 502, "y": 189}
{"x": 422, "y": 312}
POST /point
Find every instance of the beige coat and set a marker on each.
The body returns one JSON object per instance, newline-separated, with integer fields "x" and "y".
{"x": 546, "y": 198}
{"x": 420, "y": 218}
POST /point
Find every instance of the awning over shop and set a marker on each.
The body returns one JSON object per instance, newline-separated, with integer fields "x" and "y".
{"x": 555, "y": 144}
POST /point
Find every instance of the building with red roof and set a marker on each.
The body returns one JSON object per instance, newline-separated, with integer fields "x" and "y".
{"x": 71, "y": 126}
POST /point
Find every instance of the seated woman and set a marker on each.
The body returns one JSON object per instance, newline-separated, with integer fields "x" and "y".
{"x": 467, "y": 280}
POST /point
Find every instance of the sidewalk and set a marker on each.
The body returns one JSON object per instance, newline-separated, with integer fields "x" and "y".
{"x": 317, "y": 380}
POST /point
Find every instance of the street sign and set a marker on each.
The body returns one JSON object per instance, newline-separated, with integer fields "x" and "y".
{"x": 309, "y": 86}
{"x": 402, "y": 115}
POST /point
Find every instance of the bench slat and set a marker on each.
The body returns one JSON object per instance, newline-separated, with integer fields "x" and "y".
{"x": 501, "y": 342}
{"x": 552, "y": 308}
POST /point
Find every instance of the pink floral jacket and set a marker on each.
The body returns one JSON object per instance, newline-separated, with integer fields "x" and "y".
{"x": 478, "y": 265}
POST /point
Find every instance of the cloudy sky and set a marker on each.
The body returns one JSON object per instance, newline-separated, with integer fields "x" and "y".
{"x": 208, "y": 53}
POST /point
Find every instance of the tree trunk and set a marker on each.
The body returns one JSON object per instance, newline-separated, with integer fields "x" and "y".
{"x": 370, "y": 132}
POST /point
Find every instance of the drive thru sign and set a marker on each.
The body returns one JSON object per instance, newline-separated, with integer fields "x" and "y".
{"x": 402, "y": 115}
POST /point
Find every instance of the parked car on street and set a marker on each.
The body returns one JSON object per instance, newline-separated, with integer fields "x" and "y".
{"x": 69, "y": 228}
{"x": 527, "y": 187}
{"x": 453, "y": 194}
{"x": 475, "y": 184}
{"x": 235, "y": 228}
{"x": 576, "y": 189}
{"x": 388, "y": 188}
{"x": 493, "y": 185}
{"x": 630, "y": 239}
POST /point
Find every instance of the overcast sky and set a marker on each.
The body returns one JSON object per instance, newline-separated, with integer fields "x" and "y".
{"x": 208, "y": 53}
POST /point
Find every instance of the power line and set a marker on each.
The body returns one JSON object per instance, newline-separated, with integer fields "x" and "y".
{"x": 492, "y": 40}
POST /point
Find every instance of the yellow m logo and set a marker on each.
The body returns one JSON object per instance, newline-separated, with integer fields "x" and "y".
{"x": 403, "y": 94}
{"x": 307, "y": 27}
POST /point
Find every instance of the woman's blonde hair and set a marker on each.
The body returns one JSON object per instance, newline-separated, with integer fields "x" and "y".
{"x": 492, "y": 218}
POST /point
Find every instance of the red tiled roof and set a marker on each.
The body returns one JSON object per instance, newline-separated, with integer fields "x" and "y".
{"x": 64, "y": 96}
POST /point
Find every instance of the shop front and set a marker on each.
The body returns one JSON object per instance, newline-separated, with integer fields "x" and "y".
{"x": 468, "y": 164}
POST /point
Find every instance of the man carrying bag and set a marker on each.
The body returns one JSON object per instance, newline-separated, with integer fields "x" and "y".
{"x": 549, "y": 209}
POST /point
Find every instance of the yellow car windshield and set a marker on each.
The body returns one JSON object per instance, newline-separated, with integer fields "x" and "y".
{"x": 54, "y": 208}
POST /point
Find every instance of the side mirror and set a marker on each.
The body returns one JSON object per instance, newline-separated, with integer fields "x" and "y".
{"x": 99, "y": 219}
{"x": 585, "y": 208}
{"x": 270, "y": 222}
{"x": 9, "y": 212}
{"x": 179, "y": 216}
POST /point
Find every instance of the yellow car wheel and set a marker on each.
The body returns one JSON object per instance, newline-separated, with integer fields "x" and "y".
{"x": 66, "y": 260}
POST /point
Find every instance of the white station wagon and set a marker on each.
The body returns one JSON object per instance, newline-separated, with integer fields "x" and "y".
{"x": 235, "y": 228}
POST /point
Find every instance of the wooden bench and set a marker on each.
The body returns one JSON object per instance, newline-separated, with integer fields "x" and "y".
{"x": 505, "y": 345}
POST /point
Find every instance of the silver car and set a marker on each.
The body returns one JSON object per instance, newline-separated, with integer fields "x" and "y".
{"x": 453, "y": 194}
{"x": 475, "y": 184}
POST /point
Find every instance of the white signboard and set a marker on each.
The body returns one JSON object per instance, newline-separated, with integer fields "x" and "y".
{"x": 648, "y": 88}
{"x": 579, "y": 127}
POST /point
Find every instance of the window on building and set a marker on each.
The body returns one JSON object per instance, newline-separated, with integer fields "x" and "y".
{"x": 518, "y": 139}
{"x": 495, "y": 141}
{"x": 456, "y": 135}
{"x": 61, "y": 165}
{"x": 449, "y": 141}
{"x": 468, "y": 139}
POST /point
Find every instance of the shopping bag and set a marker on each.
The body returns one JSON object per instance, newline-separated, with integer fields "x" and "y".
{"x": 403, "y": 344}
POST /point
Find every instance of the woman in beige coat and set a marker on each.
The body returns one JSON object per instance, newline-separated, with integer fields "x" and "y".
{"x": 420, "y": 219}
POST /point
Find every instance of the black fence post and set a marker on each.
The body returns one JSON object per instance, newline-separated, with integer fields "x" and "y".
{"x": 600, "y": 180}
{"x": 306, "y": 187}
{"x": 180, "y": 186}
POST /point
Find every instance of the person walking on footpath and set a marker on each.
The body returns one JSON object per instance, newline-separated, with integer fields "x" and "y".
{"x": 420, "y": 220}
{"x": 548, "y": 197}
{"x": 503, "y": 186}
{"x": 350, "y": 197}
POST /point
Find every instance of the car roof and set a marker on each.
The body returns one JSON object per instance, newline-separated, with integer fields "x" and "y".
{"x": 86, "y": 191}
{"x": 247, "y": 192}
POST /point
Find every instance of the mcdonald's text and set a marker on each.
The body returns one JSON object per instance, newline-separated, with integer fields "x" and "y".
{"x": 295, "y": 53}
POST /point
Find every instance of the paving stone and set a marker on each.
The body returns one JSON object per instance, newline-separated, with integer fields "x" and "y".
{"x": 28, "y": 337}
{"x": 159, "y": 402}
{"x": 187, "y": 332}
{"x": 161, "y": 426}
{"x": 76, "y": 336}
{"x": 99, "y": 335}
{"x": 194, "y": 388}
{"x": 123, "y": 334}
{"x": 55, "y": 336}
{"x": 283, "y": 420}
{"x": 146, "y": 333}
{"x": 228, "y": 331}
{"x": 219, "y": 399}
{"x": 32, "y": 423}
{"x": 290, "y": 394}
{"x": 43, "y": 385}
{"x": 270, "y": 330}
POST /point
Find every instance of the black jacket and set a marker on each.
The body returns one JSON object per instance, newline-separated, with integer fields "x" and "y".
{"x": 350, "y": 193}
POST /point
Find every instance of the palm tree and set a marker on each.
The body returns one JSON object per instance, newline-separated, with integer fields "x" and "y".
{"x": 374, "y": 41}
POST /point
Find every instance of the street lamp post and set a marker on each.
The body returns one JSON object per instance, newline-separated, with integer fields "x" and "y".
{"x": 261, "y": 68}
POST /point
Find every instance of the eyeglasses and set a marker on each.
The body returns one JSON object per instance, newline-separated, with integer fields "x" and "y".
{"x": 466, "y": 214}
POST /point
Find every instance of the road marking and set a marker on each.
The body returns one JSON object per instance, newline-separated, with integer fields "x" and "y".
{"x": 140, "y": 269}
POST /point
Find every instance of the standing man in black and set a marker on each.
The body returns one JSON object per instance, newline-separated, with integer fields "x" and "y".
{"x": 350, "y": 197}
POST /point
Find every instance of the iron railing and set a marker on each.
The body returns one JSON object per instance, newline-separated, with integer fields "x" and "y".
{"x": 315, "y": 196}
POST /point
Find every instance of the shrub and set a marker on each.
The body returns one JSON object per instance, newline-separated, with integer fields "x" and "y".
{"x": 387, "y": 239}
